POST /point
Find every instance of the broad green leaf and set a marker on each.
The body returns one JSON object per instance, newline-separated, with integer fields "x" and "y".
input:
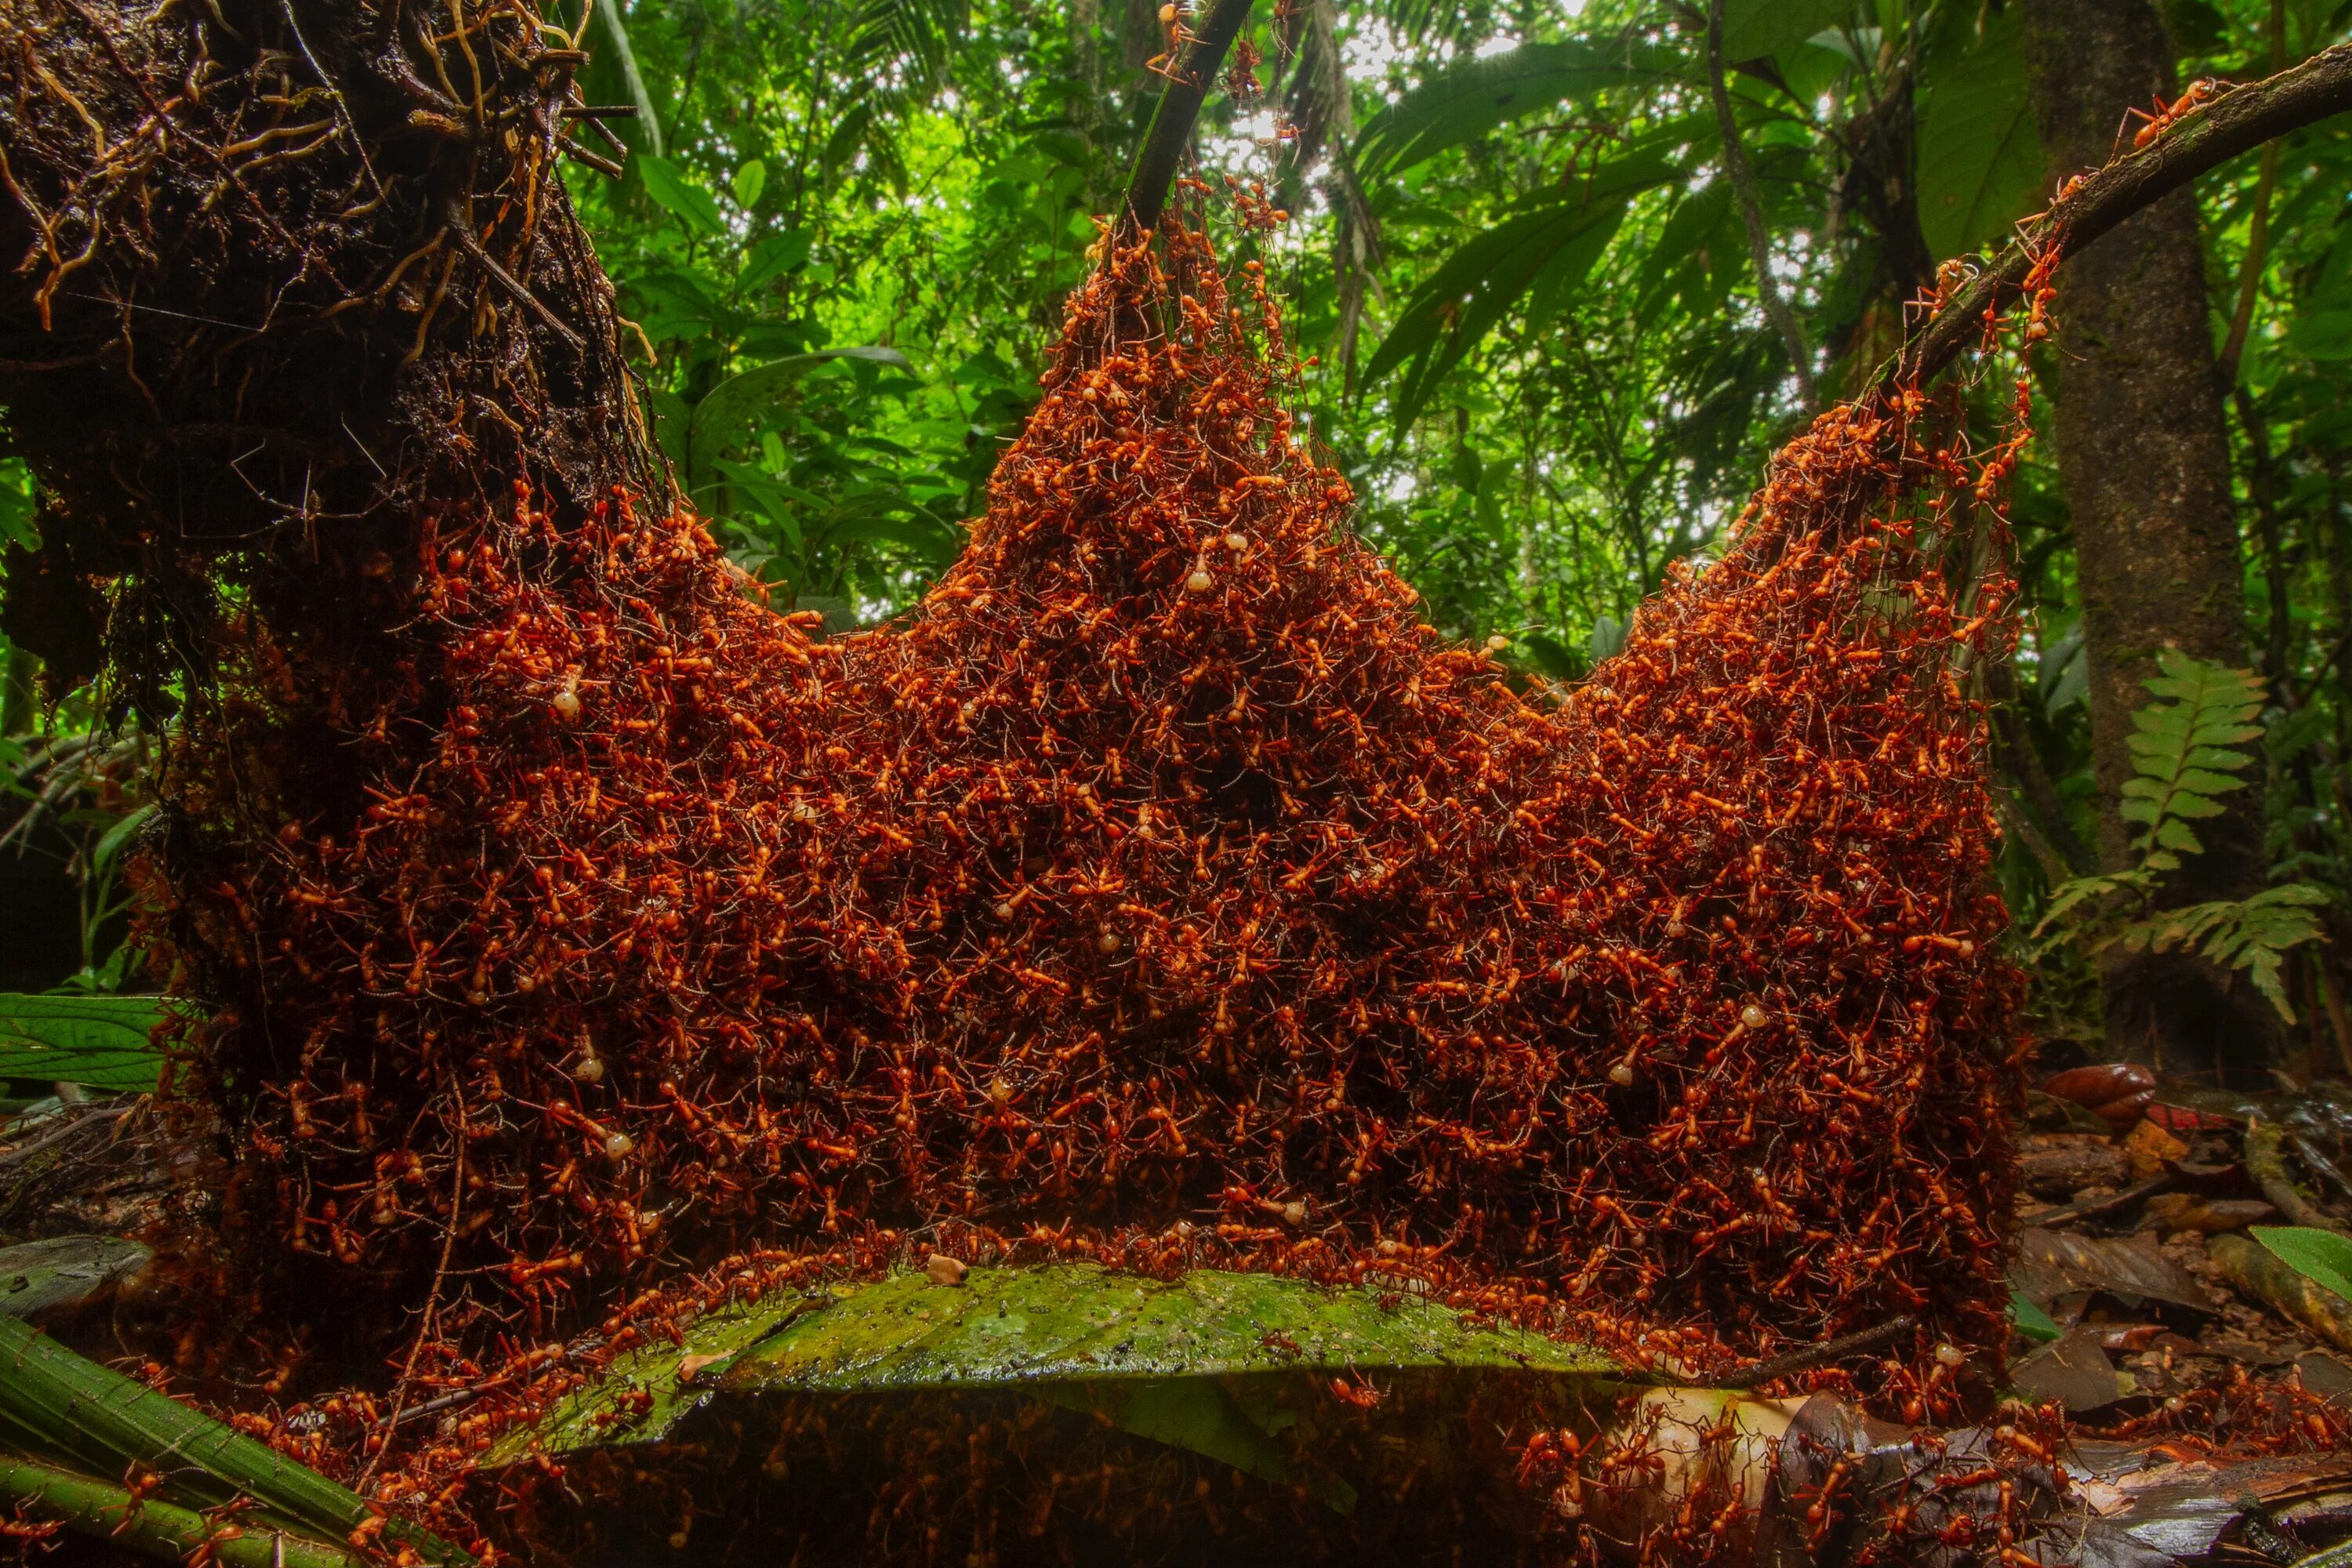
{"x": 1979, "y": 158}
{"x": 1538, "y": 255}
{"x": 2072, "y": 685}
{"x": 2322, "y": 334}
{"x": 747, "y": 183}
{"x": 2322, "y": 1256}
{"x": 99, "y": 1042}
{"x": 1142, "y": 1352}
{"x": 1201, "y": 1414}
{"x": 57, "y": 1405}
{"x": 719, "y": 416}
{"x": 110, "y": 846}
{"x": 1755, "y": 28}
{"x": 1608, "y": 637}
{"x": 2031, "y": 1320}
{"x": 648, "y": 123}
{"x": 1695, "y": 220}
{"x": 1549, "y": 655}
{"x": 1478, "y": 95}
{"x": 17, "y": 510}
{"x": 777, "y": 254}
{"x": 693, "y": 205}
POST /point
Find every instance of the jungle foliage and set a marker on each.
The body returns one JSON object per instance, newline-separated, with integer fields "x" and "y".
{"x": 844, "y": 230}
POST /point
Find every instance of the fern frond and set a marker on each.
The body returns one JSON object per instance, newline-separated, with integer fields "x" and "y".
{"x": 2070, "y": 895}
{"x": 2184, "y": 749}
{"x": 2252, "y": 935}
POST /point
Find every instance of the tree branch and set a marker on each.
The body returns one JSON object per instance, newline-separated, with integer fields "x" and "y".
{"x": 1742, "y": 175}
{"x": 1179, "y": 106}
{"x": 2235, "y": 122}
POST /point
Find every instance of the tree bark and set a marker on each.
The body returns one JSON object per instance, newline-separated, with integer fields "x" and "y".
{"x": 2143, "y": 458}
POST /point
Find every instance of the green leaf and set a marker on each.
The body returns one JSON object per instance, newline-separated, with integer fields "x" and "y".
{"x": 2162, "y": 719}
{"x": 1146, "y": 1352}
{"x": 747, "y": 183}
{"x": 719, "y": 416}
{"x": 2031, "y": 1320}
{"x": 2322, "y": 334}
{"x": 667, "y": 186}
{"x": 102, "y": 855}
{"x": 2264, "y": 969}
{"x": 1538, "y": 255}
{"x": 2181, "y": 759}
{"x": 2198, "y": 781}
{"x": 60, "y": 1407}
{"x": 1549, "y": 655}
{"x": 99, "y": 1042}
{"x": 1465, "y": 102}
{"x": 17, "y": 508}
{"x": 1979, "y": 158}
{"x": 1608, "y": 637}
{"x": 1755, "y": 28}
{"x": 107, "y": 1512}
{"x": 2322, "y": 1256}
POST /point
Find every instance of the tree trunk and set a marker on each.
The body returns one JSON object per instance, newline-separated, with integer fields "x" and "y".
{"x": 2144, "y": 457}
{"x": 294, "y": 306}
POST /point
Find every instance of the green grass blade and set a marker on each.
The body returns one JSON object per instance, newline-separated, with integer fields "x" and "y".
{"x": 46, "y": 1494}
{"x": 62, "y": 1405}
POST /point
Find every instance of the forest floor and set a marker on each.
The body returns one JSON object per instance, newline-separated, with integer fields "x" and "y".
{"x": 2180, "y": 1352}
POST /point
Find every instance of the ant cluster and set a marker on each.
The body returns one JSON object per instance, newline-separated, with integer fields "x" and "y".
{"x": 1163, "y": 889}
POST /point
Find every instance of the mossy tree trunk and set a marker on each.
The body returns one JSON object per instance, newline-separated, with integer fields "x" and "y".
{"x": 2144, "y": 457}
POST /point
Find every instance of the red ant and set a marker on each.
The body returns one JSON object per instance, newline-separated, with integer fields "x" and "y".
{"x": 2202, "y": 92}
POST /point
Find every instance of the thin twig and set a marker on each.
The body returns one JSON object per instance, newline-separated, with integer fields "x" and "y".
{"x": 597, "y": 162}
{"x": 513, "y": 286}
{"x": 2258, "y": 230}
{"x": 1805, "y": 1358}
{"x": 23, "y": 1152}
{"x": 2094, "y": 1208}
{"x": 334, "y": 95}
{"x": 440, "y": 1277}
{"x": 1742, "y": 175}
{"x": 2266, "y": 1162}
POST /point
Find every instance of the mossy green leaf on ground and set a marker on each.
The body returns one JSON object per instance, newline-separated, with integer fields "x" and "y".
{"x": 1204, "y": 1362}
